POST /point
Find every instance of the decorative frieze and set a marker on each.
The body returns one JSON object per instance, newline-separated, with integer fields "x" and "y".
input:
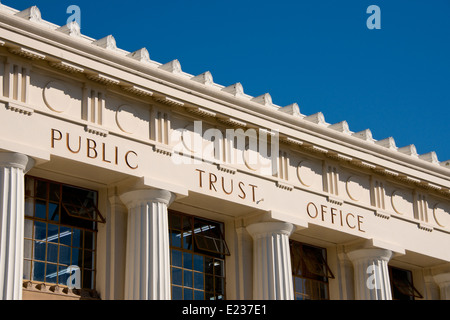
{"x": 93, "y": 105}
{"x": 160, "y": 126}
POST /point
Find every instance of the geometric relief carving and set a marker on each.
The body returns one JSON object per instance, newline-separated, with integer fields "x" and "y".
{"x": 127, "y": 119}
{"x": 441, "y": 214}
{"x": 331, "y": 179}
{"x": 354, "y": 188}
{"x": 305, "y": 173}
{"x": 57, "y": 97}
{"x": 400, "y": 203}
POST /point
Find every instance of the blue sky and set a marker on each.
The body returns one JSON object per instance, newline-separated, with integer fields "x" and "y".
{"x": 320, "y": 54}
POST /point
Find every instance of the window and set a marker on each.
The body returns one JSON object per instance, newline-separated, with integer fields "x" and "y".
{"x": 198, "y": 251}
{"x": 60, "y": 231}
{"x": 402, "y": 285}
{"x": 310, "y": 272}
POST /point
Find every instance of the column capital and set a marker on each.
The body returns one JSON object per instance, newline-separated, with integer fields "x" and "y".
{"x": 262, "y": 229}
{"x": 16, "y": 160}
{"x": 136, "y": 197}
{"x": 370, "y": 253}
{"x": 442, "y": 278}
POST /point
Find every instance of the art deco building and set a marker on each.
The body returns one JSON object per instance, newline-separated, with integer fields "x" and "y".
{"x": 124, "y": 178}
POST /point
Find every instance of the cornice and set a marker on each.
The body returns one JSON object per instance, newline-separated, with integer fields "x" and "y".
{"x": 293, "y": 125}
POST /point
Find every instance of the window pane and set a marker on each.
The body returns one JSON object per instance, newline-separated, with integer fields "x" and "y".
{"x": 209, "y": 283}
{"x": 198, "y": 263}
{"x": 220, "y": 287}
{"x": 51, "y": 273}
{"x": 54, "y": 192}
{"x": 177, "y": 276}
{"x": 187, "y": 240}
{"x": 187, "y": 278}
{"x": 76, "y": 257}
{"x": 218, "y": 267}
{"x": 177, "y": 293}
{"x": 175, "y": 238}
{"x": 63, "y": 275}
{"x": 52, "y": 253}
{"x": 38, "y": 271}
{"x": 209, "y": 265}
{"x": 28, "y": 230}
{"x": 53, "y": 234}
{"x": 27, "y": 270}
{"x": 41, "y": 189}
{"x": 87, "y": 279}
{"x": 199, "y": 281}
{"x": 65, "y": 236}
{"x": 176, "y": 258}
{"x": 175, "y": 222}
{"x": 88, "y": 240}
{"x": 64, "y": 255}
{"x": 40, "y": 210}
{"x": 187, "y": 294}
{"x": 39, "y": 250}
{"x": 29, "y": 207}
{"x": 187, "y": 260}
{"x": 199, "y": 295}
{"x": 88, "y": 259}
{"x": 209, "y": 296}
{"x": 77, "y": 238}
{"x": 29, "y": 187}
{"x": 27, "y": 248}
{"x": 53, "y": 211}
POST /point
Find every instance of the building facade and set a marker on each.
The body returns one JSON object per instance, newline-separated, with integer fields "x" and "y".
{"x": 124, "y": 178}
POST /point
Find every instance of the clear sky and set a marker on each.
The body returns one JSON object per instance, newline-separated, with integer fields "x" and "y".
{"x": 318, "y": 53}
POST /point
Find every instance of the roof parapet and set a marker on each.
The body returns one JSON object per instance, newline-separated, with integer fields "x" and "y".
{"x": 293, "y": 110}
{"x": 409, "y": 150}
{"x": 236, "y": 89}
{"x": 317, "y": 118}
{"x": 108, "y": 42}
{"x": 265, "y": 100}
{"x": 365, "y": 135}
{"x": 341, "y": 127}
{"x": 141, "y": 55}
{"x": 173, "y": 66}
{"x": 204, "y": 78}
{"x": 430, "y": 157}
{"x": 446, "y": 164}
{"x": 72, "y": 29}
{"x": 32, "y": 14}
{"x": 387, "y": 143}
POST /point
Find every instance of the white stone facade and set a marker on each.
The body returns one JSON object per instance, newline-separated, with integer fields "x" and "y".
{"x": 83, "y": 112}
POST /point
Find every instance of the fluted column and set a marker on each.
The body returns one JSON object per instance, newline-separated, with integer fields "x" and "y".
{"x": 272, "y": 270}
{"x": 443, "y": 281}
{"x": 371, "y": 273}
{"x": 147, "y": 270}
{"x": 12, "y": 198}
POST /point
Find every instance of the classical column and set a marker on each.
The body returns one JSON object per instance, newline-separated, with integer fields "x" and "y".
{"x": 12, "y": 216}
{"x": 371, "y": 273}
{"x": 443, "y": 281}
{"x": 147, "y": 270}
{"x": 272, "y": 270}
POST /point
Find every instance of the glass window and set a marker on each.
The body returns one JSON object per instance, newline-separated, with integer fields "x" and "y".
{"x": 310, "y": 272}
{"x": 402, "y": 285}
{"x": 60, "y": 231}
{"x": 198, "y": 251}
